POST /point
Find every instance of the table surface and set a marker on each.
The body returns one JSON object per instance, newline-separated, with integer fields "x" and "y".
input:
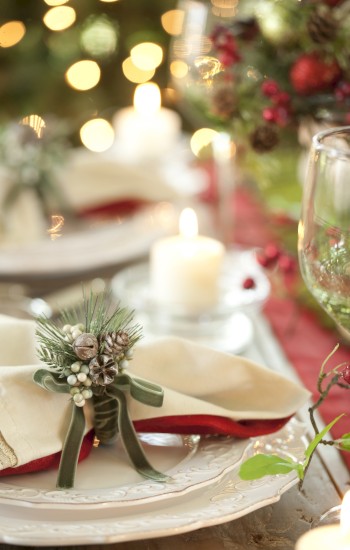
{"x": 277, "y": 525}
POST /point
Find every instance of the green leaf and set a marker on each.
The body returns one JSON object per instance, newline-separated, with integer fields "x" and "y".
{"x": 344, "y": 442}
{"x": 262, "y": 465}
{"x": 313, "y": 444}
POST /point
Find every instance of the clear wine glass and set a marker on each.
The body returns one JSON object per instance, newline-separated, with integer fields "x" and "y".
{"x": 324, "y": 233}
{"x": 324, "y": 229}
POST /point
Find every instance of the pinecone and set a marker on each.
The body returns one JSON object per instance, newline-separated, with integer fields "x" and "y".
{"x": 224, "y": 104}
{"x": 264, "y": 138}
{"x": 102, "y": 370}
{"x": 115, "y": 343}
{"x": 322, "y": 27}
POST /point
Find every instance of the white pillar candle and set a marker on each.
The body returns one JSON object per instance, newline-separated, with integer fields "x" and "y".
{"x": 146, "y": 131}
{"x": 185, "y": 269}
{"x": 334, "y": 537}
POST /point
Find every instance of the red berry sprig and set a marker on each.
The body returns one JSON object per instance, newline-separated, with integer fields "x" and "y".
{"x": 279, "y": 112}
{"x": 272, "y": 256}
{"x": 345, "y": 374}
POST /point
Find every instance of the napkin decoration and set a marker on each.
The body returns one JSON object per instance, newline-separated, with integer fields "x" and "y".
{"x": 87, "y": 358}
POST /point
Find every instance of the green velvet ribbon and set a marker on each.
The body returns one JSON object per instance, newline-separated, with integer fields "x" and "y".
{"x": 112, "y": 411}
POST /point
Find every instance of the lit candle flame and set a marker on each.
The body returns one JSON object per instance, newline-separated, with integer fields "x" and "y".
{"x": 188, "y": 223}
{"x": 147, "y": 100}
{"x": 57, "y": 223}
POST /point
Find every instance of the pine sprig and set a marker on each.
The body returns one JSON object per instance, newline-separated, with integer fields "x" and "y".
{"x": 97, "y": 317}
{"x": 52, "y": 348}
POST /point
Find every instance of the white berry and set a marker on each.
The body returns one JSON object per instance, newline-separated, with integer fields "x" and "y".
{"x": 76, "y": 333}
{"x": 74, "y": 390}
{"x": 124, "y": 364}
{"x": 72, "y": 379}
{"x": 81, "y": 376}
{"x": 87, "y": 382}
{"x": 67, "y": 328}
{"x": 80, "y": 403}
{"x": 77, "y": 397}
{"x": 129, "y": 353}
{"x": 87, "y": 394}
{"x": 75, "y": 367}
{"x": 67, "y": 372}
{"x": 85, "y": 368}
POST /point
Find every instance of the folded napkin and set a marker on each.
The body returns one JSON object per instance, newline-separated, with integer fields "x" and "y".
{"x": 205, "y": 391}
{"x": 92, "y": 181}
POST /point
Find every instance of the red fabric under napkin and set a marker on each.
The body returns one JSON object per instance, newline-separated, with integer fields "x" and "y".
{"x": 186, "y": 424}
{"x": 51, "y": 461}
{"x": 205, "y": 424}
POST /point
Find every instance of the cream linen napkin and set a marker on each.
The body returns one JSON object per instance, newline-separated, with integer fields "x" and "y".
{"x": 33, "y": 422}
{"x": 195, "y": 379}
{"x": 200, "y": 380}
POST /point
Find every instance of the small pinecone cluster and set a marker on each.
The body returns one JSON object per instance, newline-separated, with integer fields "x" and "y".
{"x": 224, "y": 104}
{"x": 322, "y": 27}
{"x": 115, "y": 343}
{"x": 100, "y": 359}
{"x": 264, "y": 138}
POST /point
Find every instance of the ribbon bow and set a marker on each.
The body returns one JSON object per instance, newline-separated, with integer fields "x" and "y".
{"x": 111, "y": 417}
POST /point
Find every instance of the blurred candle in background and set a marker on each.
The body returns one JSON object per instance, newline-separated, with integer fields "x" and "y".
{"x": 185, "y": 269}
{"x": 334, "y": 537}
{"x": 146, "y": 131}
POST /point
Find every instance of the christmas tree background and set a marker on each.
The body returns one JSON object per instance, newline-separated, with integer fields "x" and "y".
{"x": 32, "y": 72}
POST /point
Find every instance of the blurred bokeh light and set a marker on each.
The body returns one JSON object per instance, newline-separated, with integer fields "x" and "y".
{"x": 36, "y": 122}
{"x": 134, "y": 74}
{"x": 201, "y": 139}
{"x": 97, "y": 135}
{"x": 11, "y": 33}
{"x": 59, "y": 18}
{"x": 83, "y": 75}
{"x": 147, "y": 55}
{"x": 172, "y": 21}
{"x": 99, "y": 36}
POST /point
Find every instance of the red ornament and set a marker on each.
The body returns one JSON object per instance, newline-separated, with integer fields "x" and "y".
{"x": 311, "y": 74}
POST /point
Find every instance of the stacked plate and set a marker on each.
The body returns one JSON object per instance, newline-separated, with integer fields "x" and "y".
{"x": 112, "y": 503}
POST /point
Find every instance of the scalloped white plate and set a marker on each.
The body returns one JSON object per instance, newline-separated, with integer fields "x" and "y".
{"x": 226, "y": 499}
{"x": 107, "y": 479}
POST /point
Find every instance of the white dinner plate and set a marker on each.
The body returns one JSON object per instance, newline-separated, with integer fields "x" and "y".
{"x": 224, "y": 500}
{"x": 106, "y": 478}
{"x": 99, "y": 244}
